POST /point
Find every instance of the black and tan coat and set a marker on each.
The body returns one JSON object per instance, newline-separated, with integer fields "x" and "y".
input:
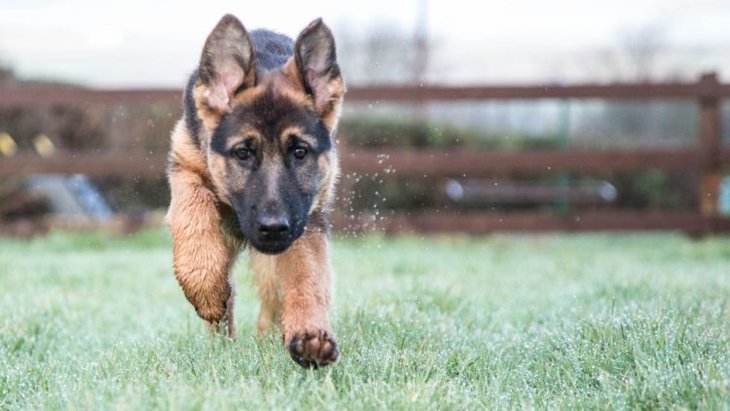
{"x": 253, "y": 165}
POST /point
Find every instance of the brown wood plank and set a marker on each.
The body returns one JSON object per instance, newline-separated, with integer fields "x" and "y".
{"x": 482, "y": 163}
{"x": 34, "y": 95}
{"x": 430, "y": 163}
{"x": 488, "y": 222}
{"x": 406, "y": 163}
{"x": 94, "y": 164}
{"x": 31, "y": 96}
{"x": 710, "y": 140}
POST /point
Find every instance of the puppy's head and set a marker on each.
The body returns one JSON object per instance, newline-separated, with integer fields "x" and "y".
{"x": 269, "y": 131}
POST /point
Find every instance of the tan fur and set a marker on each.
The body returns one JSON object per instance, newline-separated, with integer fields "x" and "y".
{"x": 306, "y": 279}
{"x": 203, "y": 252}
{"x": 291, "y": 85}
{"x": 184, "y": 153}
{"x": 209, "y": 116}
{"x": 270, "y": 290}
{"x": 330, "y": 110}
{"x": 295, "y": 289}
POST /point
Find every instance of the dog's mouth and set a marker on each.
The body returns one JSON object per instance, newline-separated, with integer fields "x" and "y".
{"x": 271, "y": 246}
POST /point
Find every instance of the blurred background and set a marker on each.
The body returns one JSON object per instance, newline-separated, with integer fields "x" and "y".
{"x": 460, "y": 117}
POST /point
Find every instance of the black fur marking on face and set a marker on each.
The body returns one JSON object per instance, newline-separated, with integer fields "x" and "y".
{"x": 272, "y": 184}
{"x": 270, "y": 114}
{"x": 190, "y": 112}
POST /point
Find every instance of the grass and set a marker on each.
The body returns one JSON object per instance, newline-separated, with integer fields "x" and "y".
{"x": 89, "y": 321}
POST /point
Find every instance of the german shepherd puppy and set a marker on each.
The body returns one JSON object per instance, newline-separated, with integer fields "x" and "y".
{"x": 252, "y": 164}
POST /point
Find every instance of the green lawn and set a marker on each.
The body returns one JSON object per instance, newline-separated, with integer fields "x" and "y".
{"x": 89, "y": 321}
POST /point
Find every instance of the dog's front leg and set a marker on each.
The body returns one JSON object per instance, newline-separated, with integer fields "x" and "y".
{"x": 202, "y": 252}
{"x": 307, "y": 287}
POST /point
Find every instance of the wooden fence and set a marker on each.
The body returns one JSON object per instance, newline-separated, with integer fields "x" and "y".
{"x": 707, "y": 157}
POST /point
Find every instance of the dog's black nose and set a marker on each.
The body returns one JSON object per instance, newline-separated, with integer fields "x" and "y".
{"x": 273, "y": 225}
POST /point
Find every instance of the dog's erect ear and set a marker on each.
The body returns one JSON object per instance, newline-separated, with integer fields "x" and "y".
{"x": 316, "y": 60}
{"x": 227, "y": 63}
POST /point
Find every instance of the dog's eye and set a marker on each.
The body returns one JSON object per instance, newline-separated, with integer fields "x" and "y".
{"x": 299, "y": 152}
{"x": 242, "y": 153}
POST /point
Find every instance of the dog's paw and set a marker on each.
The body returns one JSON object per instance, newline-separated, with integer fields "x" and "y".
{"x": 211, "y": 313}
{"x": 313, "y": 349}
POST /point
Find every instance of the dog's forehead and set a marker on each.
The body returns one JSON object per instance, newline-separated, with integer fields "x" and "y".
{"x": 271, "y": 111}
{"x": 269, "y": 115}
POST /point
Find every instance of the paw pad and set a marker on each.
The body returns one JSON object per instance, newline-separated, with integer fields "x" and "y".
{"x": 313, "y": 349}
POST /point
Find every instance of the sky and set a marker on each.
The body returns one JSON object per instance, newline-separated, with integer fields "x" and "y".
{"x": 156, "y": 44}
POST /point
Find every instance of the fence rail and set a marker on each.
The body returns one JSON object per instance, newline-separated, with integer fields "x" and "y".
{"x": 707, "y": 157}
{"x": 25, "y": 95}
{"x": 402, "y": 162}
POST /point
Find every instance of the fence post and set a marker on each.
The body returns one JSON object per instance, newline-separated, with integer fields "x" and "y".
{"x": 710, "y": 146}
